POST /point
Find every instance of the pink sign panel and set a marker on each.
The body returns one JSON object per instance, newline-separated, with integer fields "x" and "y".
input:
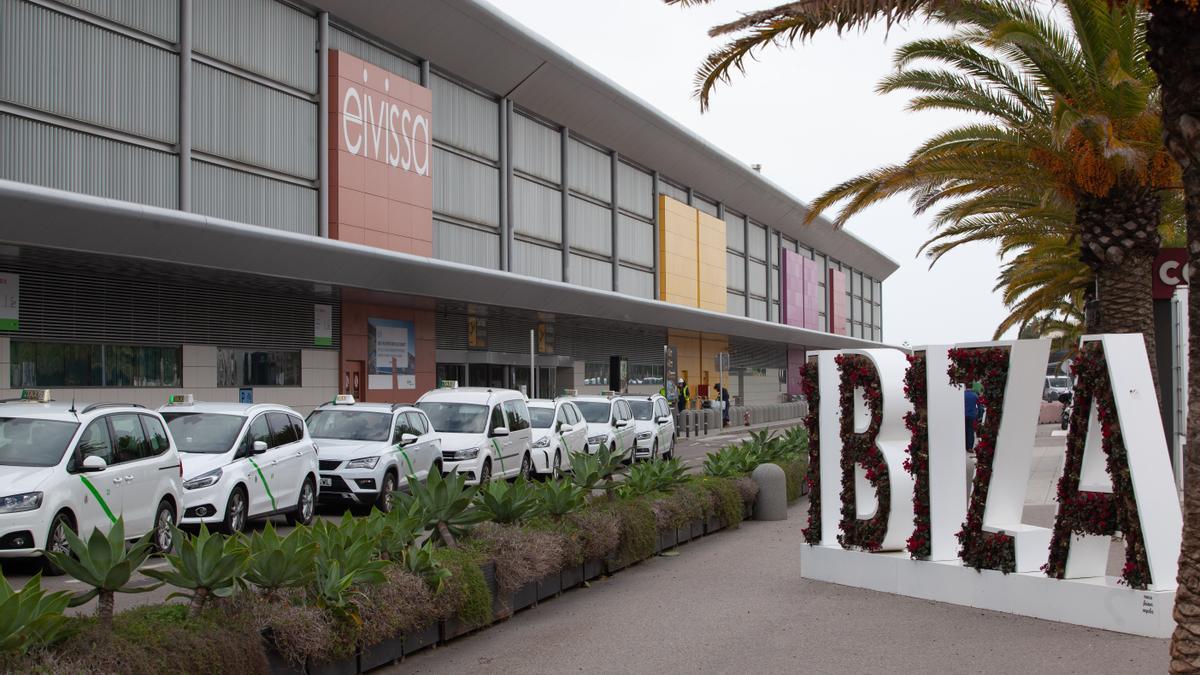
{"x": 800, "y": 291}
{"x": 837, "y": 302}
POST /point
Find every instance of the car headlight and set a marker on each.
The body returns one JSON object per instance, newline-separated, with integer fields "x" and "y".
{"x": 543, "y": 442}
{"x": 644, "y": 436}
{"x": 203, "y": 480}
{"x": 363, "y": 463}
{"x": 467, "y": 453}
{"x": 596, "y": 439}
{"x": 24, "y": 502}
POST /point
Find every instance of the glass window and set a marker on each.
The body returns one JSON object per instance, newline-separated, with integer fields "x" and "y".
{"x": 350, "y": 425}
{"x": 95, "y": 441}
{"x": 518, "y": 415}
{"x": 156, "y": 435}
{"x": 257, "y": 368}
{"x": 298, "y": 426}
{"x": 595, "y": 412}
{"x": 573, "y": 416}
{"x": 417, "y": 422}
{"x": 402, "y": 426}
{"x": 204, "y": 432}
{"x": 47, "y": 364}
{"x": 595, "y": 374}
{"x": 642, "y": 410}
{"x": 497, "y": 420}
{"x": 259, "y": 431}
{"x": 543, "y": 418}
{"x": 128, "y": 438}
{"x": 455, "y": 418}
{"x": 282, "y": 432}
{"x": 33, "y": 442}
{"x": 645, "y": 373}
{"x": 126, "y": 366}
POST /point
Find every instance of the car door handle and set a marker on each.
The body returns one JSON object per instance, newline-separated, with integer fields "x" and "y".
{"x": 128, "y": 479}
{"x": 117, "y": 480}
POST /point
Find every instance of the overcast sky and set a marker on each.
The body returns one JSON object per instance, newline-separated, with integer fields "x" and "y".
{"x": 809, "y": 116}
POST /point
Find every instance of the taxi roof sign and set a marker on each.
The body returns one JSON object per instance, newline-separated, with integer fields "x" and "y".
{"x": 180, "y": 399}
{"x": 36, "y": 395}
{"x": 343, "y": 399}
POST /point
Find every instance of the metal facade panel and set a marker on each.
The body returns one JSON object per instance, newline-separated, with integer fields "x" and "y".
{"x": 636, "y": 241}
{"x": 636, "y": 282}
{"x": 735, "y": 231}
{"x": 537, "y": 210}
{"x": 706, "y": 205}
{"x": 250, "y": 198}
{"x": 538, "y": 261}
{"x": 44, "y": 154}
{"x": 589, "y": 171}
{"x": 590, "y": 227}
{"x": 371, "y": 53}
{"x": 245, "y": 121}
{"x": 756, "y": 354}
{"x": 465, "y": 119}
{"x": 735, "y": 303}
{"x": 635, "y": 190}
{"x": 262, "y": 36}
{"x": 465, "y": 245}
{"x": 673, "y": 191}
{"x": 52, "y": 62}
{"x": 591, "y": 272}
{"x": 156, "y": 17}
{"x": 464, "y": 188}
{"x": 735, "y": 271}
{"x": 536, "y": 148}
{"x": 758, "y": 241}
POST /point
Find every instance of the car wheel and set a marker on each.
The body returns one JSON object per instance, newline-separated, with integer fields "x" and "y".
{"x": 164, "y": 528}
{"x": 654, "y": 451}
{"x": 556, "y": 468}
{"x": 670, "y": 454}
{"x": 56, "y": 542}
{"x": 235, "y": 512}
{"x": 306, "y": 505}
{"x": 526, "y": 471}
{"x": 485, "y": 474}
{"x": 387, "y": 498}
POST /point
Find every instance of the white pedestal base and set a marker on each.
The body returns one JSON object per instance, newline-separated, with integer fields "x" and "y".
{"x": 1098, "y": 602}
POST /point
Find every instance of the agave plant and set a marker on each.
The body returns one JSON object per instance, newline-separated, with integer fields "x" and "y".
{"x": 30, "y": 617}
{"x": 651, "y": 477}
{"x": 274, "y": 563}
{"x": 344, "y": 562}
{"x": 395, "y": 531}
{"x": 446, "y": 505}
{"x": 420, "y": 561}
{"x": 208, "y": 565}
{"x": 597, "y": 472}
{"x": 560, "y": 497}
{"x": 104, "y": 563}
{"x": 504, "y": 502}
{"x": 728, "y": 462}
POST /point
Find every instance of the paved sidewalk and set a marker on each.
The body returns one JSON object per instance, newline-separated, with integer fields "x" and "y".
{"x": 735, "y": 602}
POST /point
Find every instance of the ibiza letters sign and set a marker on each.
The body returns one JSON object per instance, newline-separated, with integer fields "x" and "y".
{"x": 892, "y": 506}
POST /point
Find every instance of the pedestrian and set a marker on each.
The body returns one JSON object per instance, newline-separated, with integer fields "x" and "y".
{"x": 971, "y": 405}
{"x": 722, "y": 395}
{"x": 684, "y": 394}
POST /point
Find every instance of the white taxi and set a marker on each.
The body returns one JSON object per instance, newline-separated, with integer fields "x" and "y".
{"x": 370, "y": 450}
{"x": 655, "y": 427}
{"x": 558, "y": 431}
{"x": 609, "y": 423}
{"x": 485, "y": 432}
{"x": 81, "y": 467}
{"x": 242, "y": 461}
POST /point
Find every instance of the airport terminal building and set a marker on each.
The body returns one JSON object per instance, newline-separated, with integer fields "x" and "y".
{"x": 285, "y": 201}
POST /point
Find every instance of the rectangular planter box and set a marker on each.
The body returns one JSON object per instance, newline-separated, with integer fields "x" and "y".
{"x": 747, "y": 511}
{"x": 525, "y": 596}
{"x": 374, "y": 656}
{"x": 422, "y": 638}
{"x": 612, "y": 565}
{"x": 683, "y": 534}
{"x": 572, "y": 577}
{"x": 666, "y": 540}
{"x": 592, "y": 569}
{"x": 549, "y": 586}
{"x": 279, "y": 665}
{"x": 346, "y": 666}
{"x": 697, "y": 529}
{"x": 713, "y": 525}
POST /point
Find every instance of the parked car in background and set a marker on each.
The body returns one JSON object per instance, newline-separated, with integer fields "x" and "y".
{"x": 485, "y": 432}
{"x": 655, "y": 426}
{"x": 610, "y": 423}
{"x": 1055, "y": 386}
{"x": 558, "y": 431}
{"x": 73, "y": 466}
{"x": 242, "y": 461}
{"x": 367, "y": 451}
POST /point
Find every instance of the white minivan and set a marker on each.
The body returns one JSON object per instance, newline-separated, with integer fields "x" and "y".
{"x": 80, "y": 467}
{"x": 485, "y": 432}
{"x": 655, "y": 427}
{"x": 610, "y": 423}
{"x": 242, "y": 461}
{"x": 558, "y": 432}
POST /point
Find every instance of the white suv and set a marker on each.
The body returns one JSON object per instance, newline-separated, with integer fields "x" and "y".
{"x": 558, "y": 431}
{"x": 67, "y": 465}
{"x": 368, "y": 451}
{"x": 655, "y": 426}
{"x": 485, "y": 432}
{"x": 609, "y": 422}
{"x": 242, "y": 461}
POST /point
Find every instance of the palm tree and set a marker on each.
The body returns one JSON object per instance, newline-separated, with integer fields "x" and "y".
{"x": 1173, "y": 35}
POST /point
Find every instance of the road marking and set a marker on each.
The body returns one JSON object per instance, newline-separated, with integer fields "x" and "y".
{"x": 1059, "y": 432}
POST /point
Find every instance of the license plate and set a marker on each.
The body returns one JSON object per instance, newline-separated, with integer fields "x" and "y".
{"x": 326, "y": 482}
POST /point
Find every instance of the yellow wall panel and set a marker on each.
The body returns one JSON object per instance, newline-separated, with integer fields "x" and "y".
{"x": 678, "y": 251}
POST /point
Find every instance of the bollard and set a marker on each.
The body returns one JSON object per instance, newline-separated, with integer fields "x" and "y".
{"x": 771, "y": 502}
{"x": 705, "y": 422}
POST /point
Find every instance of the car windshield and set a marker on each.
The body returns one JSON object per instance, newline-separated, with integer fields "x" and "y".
{"x": 543, "y": 418}
{"x": 642, "y": 410}
{"x": 208, "y": 433}
{"x": 350, "y": 425}
{"x": 33, "y": 442}
{"x": 596, "y": 412}
{"x": 455, "y": 418}
{"x": 1062, "y": 382}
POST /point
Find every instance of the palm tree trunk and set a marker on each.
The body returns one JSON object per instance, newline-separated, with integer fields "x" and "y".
{"x": 447, "y": 535}
{"x": 1173, "y": 34}
{"x": 104, "y": 608}
{"x": 1119, "y": 239}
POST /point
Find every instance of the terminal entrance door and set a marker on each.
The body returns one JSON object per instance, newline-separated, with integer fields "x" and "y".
{"x": 545, "y": 381}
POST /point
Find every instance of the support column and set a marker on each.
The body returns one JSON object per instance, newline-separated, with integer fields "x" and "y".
{"x": 185, "y": 105}
{"x": 656, "y": 243}
{"x": 505, "y": 223}
{"x": 746, "y": 267}
{"x": 616, "y": 224}
{"x": 770, "y": 238}
{"x": 566, "y": 205}
{"x": 424, "y": 72}
{"x": 323, "y": 124}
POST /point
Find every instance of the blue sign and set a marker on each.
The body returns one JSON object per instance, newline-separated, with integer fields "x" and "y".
{"x": 246, "y": 395}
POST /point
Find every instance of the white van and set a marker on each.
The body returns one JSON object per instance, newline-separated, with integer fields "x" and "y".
{"x": 558, "y": 432}
{"x": 610, "y": 423}
{"x": 485, "y": 432}
{"x": 80, "y": 467}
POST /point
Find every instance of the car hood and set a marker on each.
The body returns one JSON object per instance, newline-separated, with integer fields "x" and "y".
{"x": 20, "y": 479}
{"x": 598, "y": 429}
{"x": 328, "y": 448}
{"x": 643, "y": 425}
{"x": 452, "y": 442}
{"x": 197, "y": 463}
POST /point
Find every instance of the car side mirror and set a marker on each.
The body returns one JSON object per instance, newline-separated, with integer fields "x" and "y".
{"x": 408, "y": 439}
{"x": 258, "y": 448}
{"x": 93, "y": 463}
{"x": 500, "y": 431}
{"x": 664, "y": 419}
{"x": 622, "y": 423}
